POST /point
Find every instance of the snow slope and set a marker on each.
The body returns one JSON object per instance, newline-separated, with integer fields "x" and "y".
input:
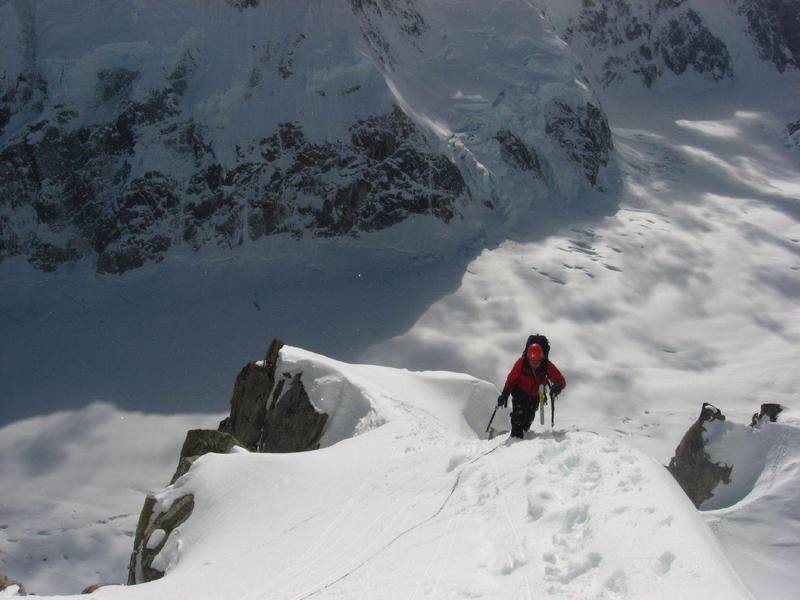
{"x": 416, "y": 505}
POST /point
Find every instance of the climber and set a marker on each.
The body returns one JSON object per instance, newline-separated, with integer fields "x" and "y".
{"x": 529, "y": 372}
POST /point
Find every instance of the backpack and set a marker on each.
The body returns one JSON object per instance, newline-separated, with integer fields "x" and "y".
{"x": 538, "y": 338}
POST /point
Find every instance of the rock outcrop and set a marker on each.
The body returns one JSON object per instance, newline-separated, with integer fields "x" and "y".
{"x": 63, "y": 179}
{"x": 775, "y": 28}
{"x": 692, "y": 467}
{"x": 268, "y": 416}
{"x": 10, "y": 588}
{"x": 199, "y": 442}
{"x": 793, "y": 134}
{"x": 584, "y": 133}
{"x": 769, "y": 411}
{"x": 646, "y": 40}
{"x": 270, "y": 412}
{"x": 152, "y": 532}
{"x": 698, "y": 473}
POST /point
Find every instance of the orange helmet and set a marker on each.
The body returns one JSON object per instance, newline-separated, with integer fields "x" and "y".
{"x": 535, "y": 353}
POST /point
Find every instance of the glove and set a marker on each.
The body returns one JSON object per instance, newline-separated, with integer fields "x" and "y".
{"x": 502, "y": 399}
{"x": 555, "y": 390}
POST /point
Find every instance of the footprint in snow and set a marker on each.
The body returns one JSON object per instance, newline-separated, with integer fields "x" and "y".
{"x": 592, "y": 475}
{"x": 575, "y": 568}
{"x": 455, "y": 461}
{"x": 571, "y": 462}
{"x": 617, "y": 585}
{"x": 665, "y": 563}
{"x": 667, "y": 522}
{"x": 535, "y": 509}
{"x": 576, "y": 518}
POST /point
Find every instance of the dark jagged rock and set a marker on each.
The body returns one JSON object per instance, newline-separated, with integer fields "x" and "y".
{"x": 775, "y": 27}
{"x": 292, "y": 424}
{"x": 384, "y": 178}
{"x": 127, "y": 236}
{"x": 93, "y": 588}
{"x": 141, "y": 568}
{"x": 769, "y": 411}
{"x": 686, "y": 42}
{"x": 584, "y": 133}
{"x": 266, "y": 416}
{"x": 516, "y": 153}
{"x": 251, "y": 392}
{"x": 647, "y": 41}
{"x": 48, "y": 257}
{"x": 5, "y": 583}
{"x": 75, "y": 184}
{"x": 411, "y": 22}
{"x": 27, "y": 93}
{"x": 692, "y": 467}
{"x": 792, "y": 136}
{"x": 242, "y": 4}
{"x": 199, "y": 442}
{"x": 115, "y": 83}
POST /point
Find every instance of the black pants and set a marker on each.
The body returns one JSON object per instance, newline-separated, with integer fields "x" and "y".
{"x": 522, "y": 412}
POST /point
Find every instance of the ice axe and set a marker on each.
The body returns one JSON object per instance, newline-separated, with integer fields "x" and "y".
{"x": 553, "y": 397}
{"x": 489, "y": 426}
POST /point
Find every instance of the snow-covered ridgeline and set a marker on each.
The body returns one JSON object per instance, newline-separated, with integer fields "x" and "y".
{"x": 419, "y": 505}
{"x": 405, "y": 478}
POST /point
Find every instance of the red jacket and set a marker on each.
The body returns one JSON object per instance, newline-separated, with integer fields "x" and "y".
{"x": 524, "y": 379}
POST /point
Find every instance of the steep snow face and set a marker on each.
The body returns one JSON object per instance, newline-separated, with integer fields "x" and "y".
{"x": 129, "y": 128}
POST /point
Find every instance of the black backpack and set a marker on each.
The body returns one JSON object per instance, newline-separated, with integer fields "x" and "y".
{"x": 538, "y": 338}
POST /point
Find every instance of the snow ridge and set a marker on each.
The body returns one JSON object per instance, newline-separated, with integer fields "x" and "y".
{"x": 562, "y": 511}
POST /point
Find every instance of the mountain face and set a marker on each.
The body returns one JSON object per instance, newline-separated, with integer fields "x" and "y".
{"x": 645, "y": 40}
{"x": 129, "y": 130}
{"x": 775, "y": 28}
{"x": 134, "y": 128}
